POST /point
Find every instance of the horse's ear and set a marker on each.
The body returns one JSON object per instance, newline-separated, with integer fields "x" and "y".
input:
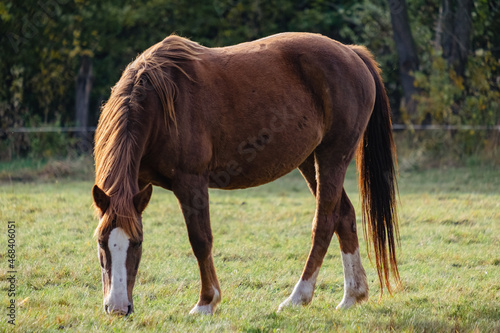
{"x": 141, "y": 199}
{"x": 101, "y": 199}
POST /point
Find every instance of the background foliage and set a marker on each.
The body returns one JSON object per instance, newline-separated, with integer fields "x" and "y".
{"x": 44, "y": 41}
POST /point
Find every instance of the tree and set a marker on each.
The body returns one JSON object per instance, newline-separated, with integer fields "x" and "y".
{"x": 45, "y": 42}
{"x": 83, "y": 88}
{"x": 453, "y": 31}
{"x": 407, "y": 52}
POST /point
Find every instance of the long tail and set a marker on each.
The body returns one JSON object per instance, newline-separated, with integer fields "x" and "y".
{"x": 377, "y": 165}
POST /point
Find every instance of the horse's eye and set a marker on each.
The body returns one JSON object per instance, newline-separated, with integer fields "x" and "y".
{"x": 138, "y": 244}
{"x": 101, "y": 245}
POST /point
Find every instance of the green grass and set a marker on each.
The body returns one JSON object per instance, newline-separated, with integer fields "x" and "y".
{"x": 449, "y": 260}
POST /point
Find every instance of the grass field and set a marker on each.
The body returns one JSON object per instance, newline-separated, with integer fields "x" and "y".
{"x": 449, "y": 260}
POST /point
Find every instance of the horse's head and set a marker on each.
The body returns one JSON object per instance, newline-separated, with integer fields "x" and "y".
{"x": 119, "y": 252}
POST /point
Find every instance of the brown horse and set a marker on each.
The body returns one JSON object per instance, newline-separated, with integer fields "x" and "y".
{"x": 186, "y": 118}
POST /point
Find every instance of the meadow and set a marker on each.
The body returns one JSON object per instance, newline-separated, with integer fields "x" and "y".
{"x": 449, "y": 259}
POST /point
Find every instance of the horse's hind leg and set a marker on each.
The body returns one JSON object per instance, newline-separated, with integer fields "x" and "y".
{"x": 192, "y": 193}
{"x": 308, "y": 171}
{"x": 330, "y": 177}
{"x": 355, "y": 284}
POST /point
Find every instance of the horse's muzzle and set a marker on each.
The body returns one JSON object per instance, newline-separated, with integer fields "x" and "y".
{"x": 118, "y": 311}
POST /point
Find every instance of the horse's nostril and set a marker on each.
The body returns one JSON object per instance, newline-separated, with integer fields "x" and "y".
{"x": 106, "y": 310}
{"x": 129, "y": 310}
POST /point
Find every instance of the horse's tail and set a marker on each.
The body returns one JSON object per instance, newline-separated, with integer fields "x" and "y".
{"x": 377, "y": 165}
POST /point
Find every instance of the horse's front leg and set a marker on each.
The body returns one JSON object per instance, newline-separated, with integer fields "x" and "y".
{"x": 192, "y": 193}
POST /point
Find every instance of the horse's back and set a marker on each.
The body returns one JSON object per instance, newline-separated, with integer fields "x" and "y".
{"x": 322, "y": 77}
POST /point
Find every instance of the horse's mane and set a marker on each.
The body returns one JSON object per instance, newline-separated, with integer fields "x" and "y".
{"x": 116, "y": 142}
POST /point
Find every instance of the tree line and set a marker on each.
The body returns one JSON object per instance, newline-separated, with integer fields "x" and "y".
{"x": 59, "y": 58}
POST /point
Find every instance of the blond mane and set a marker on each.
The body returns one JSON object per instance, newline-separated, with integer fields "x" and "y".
{"x": 116, "y": 143}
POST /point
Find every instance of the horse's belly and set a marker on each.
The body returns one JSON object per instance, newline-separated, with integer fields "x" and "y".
{"x": 264, "y": 157}
{"x": 263, "y": 135}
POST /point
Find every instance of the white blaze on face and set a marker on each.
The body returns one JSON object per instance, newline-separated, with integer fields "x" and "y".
{"x": 118, "y": 243}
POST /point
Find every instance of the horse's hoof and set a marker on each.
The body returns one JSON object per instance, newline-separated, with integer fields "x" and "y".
{"x": 350, "y": 300}
{"x": 207, "y": 309}
{"x": 289, "y": 302}
{"x": 302, "y": 293}
{"x": 345, "y": 304}
{"x": 202, "y": 309}
{"x": 295, "y": 300}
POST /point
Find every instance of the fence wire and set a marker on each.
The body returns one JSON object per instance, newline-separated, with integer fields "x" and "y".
{"x": 53, "y": 129}
{"x": 395, "y": 127}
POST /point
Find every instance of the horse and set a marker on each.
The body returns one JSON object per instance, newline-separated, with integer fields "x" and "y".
{"x": 188, "y": 118}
